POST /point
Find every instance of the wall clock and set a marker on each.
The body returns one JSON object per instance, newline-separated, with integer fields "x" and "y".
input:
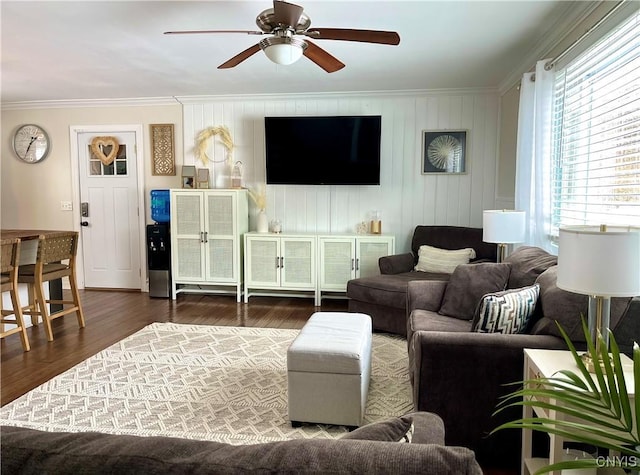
{"x": 31, "y": 143}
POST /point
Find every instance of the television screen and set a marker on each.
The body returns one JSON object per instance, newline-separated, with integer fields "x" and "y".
{"x": 336, "y": 150}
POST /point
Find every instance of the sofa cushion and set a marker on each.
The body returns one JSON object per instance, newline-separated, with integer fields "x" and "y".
{"x": 433, "y": 259}
{"x": 566, "y": 308}
{"x": 31, "y": 451}
{"x": 387, "y": 290}
{"x": 424, "y": 320}
{"x": 397, "y": 429}
{"x": 467, "y": 285}
{"x": 506, "y": 312}
{"x": 527, "y": 263}
{"x": 453, "y": 237}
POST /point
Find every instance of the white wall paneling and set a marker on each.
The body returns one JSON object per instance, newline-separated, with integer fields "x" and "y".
{"x": 405, "y": 197}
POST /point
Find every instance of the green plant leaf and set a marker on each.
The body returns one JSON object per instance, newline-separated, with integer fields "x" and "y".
{"x": 597, "y": 404}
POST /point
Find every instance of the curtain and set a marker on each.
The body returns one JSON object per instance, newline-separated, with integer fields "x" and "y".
{"x": 533, "y": 155}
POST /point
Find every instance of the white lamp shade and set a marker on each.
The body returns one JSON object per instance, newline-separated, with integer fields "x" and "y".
{"x": 284, "y": 53}
{"x": 503, "y": 226}
{"x": 599, "y": 263}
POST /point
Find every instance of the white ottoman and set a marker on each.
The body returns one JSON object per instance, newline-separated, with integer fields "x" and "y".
{"x": 328, "y": 369}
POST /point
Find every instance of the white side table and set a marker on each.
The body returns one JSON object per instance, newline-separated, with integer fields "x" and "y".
{"x": 545, "y": 364}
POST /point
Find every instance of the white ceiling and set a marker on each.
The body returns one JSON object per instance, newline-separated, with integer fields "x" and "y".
{"x": 116, "y": 49}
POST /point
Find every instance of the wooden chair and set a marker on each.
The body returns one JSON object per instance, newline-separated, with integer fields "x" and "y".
{"x": 52, "y": 251}
{"x": 9, "y": 282}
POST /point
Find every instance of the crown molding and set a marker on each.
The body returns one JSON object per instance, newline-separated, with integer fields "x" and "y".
{"x": 189, "y": 100}
{"x": 68, "y": 104}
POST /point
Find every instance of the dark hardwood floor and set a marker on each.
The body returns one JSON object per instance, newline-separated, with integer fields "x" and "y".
{"x": 111, "y": 316}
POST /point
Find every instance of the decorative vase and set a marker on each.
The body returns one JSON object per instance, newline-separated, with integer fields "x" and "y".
{"x": 262, "y": 223}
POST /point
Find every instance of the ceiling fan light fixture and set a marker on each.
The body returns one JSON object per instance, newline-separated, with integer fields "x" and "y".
{"x": 283, "y": 50}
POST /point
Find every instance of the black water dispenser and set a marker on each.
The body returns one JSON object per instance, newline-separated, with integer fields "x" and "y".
{"x": 159, "y": 260}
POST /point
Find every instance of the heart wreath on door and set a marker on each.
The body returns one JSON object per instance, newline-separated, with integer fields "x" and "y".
{"x": 105, "y": 148}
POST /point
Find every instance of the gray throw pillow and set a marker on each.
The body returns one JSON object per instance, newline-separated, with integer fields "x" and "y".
{"x": 527, "y": 263}
{"x": 467, "y": 285}
{"x": 398, "y": 429}
{"x": 506, "y": 312}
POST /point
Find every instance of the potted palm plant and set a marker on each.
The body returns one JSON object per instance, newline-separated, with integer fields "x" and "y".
{"x": 598, "y": 408}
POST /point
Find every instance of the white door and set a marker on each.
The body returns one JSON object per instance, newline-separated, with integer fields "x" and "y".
{"x": 109, "y": 202}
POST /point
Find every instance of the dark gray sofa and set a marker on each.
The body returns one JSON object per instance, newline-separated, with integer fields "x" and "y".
{"x": 460, "y": 374}
{"x": 384, "y": 296}
{"x": 369, "y": 449}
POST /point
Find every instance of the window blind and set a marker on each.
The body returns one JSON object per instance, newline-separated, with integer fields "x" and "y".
{"x": 596, "y": 134}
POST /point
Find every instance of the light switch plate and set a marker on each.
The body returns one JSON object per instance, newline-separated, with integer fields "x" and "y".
{"x": 66, "y": 206}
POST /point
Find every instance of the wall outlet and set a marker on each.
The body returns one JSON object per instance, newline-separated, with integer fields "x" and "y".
{"x": 66, "y": 206}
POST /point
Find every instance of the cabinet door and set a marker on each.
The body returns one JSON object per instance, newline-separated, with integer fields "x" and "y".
{"x": 368, "y": 252}
{"x": 221, "y": 240}
{"x": 263, "y": 262}
{"x": 297, "y": 264}
{"x": 187, "y": 217}
{"x": 337, "y": 263}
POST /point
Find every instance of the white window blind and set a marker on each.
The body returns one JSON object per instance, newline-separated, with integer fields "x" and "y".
{"x": 595, "y": 159}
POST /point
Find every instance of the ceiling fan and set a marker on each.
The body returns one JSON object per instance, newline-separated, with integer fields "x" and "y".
{"x": 286, "y": 23}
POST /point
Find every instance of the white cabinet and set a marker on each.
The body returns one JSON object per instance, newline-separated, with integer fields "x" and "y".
{"x": 279, "y": 262}
{"x": 206, "y": 240}
{"x": 343, "y": 258}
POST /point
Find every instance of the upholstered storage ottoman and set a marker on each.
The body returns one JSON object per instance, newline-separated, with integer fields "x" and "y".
{"x": 328, "y": 368}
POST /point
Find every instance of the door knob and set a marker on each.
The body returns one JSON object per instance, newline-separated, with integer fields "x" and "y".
{"x": 84, "y": 223}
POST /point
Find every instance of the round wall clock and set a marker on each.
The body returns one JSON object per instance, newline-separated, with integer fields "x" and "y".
{"x": 31, "y": 143}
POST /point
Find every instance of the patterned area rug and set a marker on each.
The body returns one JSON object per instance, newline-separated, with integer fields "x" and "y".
{"x": 227, "y": 384}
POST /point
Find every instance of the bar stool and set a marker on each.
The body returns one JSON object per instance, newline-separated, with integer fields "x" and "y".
{"x": 52, "y": 251}
{"x": 10, "y": 255}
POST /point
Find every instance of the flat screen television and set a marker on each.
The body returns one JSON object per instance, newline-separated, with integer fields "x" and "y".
{"x": 328, "y": 150}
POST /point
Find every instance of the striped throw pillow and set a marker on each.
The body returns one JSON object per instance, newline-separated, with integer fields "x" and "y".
{"x": 506, "y": 312}
{"x": 442, "y": 261}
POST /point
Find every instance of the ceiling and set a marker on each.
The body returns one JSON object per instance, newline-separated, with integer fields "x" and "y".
{"x": 116, "y": 49}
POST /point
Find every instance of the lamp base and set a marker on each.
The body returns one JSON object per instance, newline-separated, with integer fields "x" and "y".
{"x": 589, "y": 362}
{"x": 599, "y": 315}
{"x": 502, "y": 252}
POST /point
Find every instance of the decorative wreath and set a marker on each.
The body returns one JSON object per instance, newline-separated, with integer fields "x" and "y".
{"x": 202, "y": 142}
{"x": 97, "y": 147}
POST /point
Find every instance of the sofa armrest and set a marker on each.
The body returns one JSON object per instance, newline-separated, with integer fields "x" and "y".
{"x": 425, "y": 295}
{"x": 461, "y": 376}
{"x": 397, "y": 263}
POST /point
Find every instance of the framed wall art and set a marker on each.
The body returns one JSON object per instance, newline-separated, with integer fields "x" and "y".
{"x": 444, "y": 151}
{"x": 162, "y": 149}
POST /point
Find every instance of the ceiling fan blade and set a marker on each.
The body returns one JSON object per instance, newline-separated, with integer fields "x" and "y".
{"x": 240, "y": 57}
{"x": 286, "y": 13}
{"x": 322, "y": 58}
{"x": 346, "y": 34}
{"x": 198, "y": 32}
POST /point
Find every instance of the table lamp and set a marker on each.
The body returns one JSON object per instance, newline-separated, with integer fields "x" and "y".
{"x": 601, "y": 262}
{"x": 503, "y": 226}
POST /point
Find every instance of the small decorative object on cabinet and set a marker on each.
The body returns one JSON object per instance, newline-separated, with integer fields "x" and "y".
{"x": 347, "y": 257}
{"x": 572, "y": 404}
{"x": 279, "y": 263}
{"x": 188, "y": 176}
{"x": 202, "y": 178}
{"x": 376, "y": 224}
{"x": 276, "y": 226}
{"x": 236, "y": 175}
{"x": 262, "y": 222}
{"x": 207, "y": 227}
